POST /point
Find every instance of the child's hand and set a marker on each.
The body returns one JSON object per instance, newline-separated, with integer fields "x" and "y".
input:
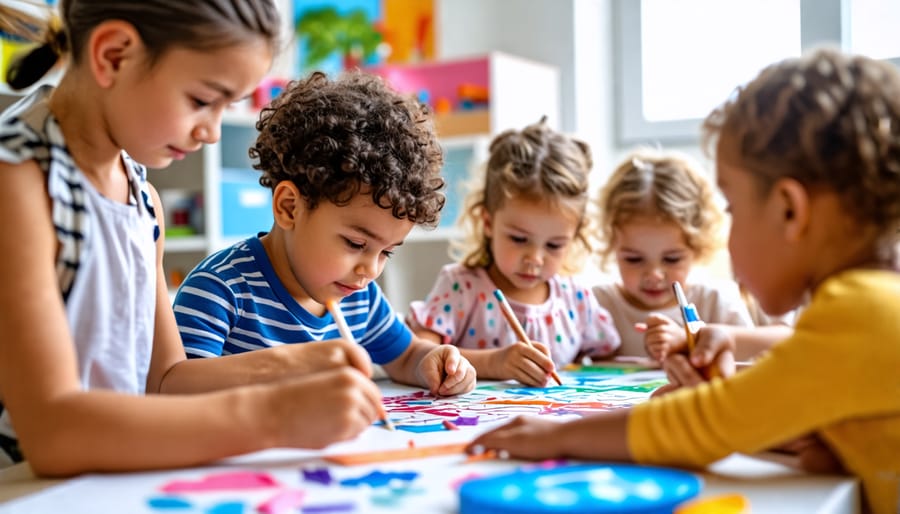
{"x": 529, "y": 364}
{"x": 711, "y": 342}
{"x": 342, "y": 401}
{"x": 525, "y": 437}
{"x": 320, "y": 356}
{"x": 713, "y": 350}
{"x": 662, "y": 335}
{"x": 445, "y": 372}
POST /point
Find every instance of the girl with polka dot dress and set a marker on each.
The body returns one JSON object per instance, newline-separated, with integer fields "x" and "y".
{"x": 527, "y": 232}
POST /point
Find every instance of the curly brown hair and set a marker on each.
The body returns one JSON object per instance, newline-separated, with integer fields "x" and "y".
{"x": 827, "y": 120}
{"x": 336, "y": 138}
{"x": 663, "y": 185}
{"x": 537, "y": 163}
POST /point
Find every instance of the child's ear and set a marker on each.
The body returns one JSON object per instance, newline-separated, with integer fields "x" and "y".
{"x": 110, "y": 45}
{"x": 486, "y": 222}
{"x": 792, "y": 202}
{"x": 286, "y": 204}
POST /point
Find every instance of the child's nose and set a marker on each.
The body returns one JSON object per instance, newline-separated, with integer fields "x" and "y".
{"x": 367, "y": 268}
{"x": 209, "y": 130}
{"x": 534, "y": 257}
{"x": 656, "y": 274}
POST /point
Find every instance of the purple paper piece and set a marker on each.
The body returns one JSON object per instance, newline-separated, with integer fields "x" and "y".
{"x": 466, "y": 420}
{"x": 318, "y": 475}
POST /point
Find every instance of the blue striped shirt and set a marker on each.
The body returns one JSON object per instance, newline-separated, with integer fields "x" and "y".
{"x": 233, "y": 302}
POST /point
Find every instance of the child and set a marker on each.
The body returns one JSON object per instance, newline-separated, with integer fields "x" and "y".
{"x": 87, "y": 327}
{"x": 527, "y": 224}
{"x": 808, "y": 156}
{"x": 658, "y": 218}
{"x": 353, "y": 166}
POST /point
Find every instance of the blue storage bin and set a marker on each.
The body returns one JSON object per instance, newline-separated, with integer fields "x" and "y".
{"x": 246, "y": 205}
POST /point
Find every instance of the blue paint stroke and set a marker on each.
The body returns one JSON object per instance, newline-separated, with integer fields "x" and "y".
{"x": 421, "y": 429}
{"x": 169, "y": 503}
{"x": 317, "y": 475}
{"x": 328, "y": 507}
{"x": 380, "y": 479}
{"x": 419, "y": 402}
{"x": 232, "y": 507}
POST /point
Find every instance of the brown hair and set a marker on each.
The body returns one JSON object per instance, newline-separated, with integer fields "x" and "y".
{"x": 162, "y": 24}
{"x": 336, "y": 138}
{"x": 667, "y": 186}
{"x": 536, "y": 163}
{"x": 828, "y": 120}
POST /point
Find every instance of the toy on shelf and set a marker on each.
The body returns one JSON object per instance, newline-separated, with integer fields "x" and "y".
{"x": 480, "y": 95}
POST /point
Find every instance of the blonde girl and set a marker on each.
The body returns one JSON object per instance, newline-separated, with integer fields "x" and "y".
{"x": 527, "y": 230}
{"x": 658, "y": 218}
{"x": 90, "y": 351}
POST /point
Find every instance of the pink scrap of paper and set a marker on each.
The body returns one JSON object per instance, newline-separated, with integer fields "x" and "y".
{"x": 229, "y": 481}
{"x": 285, "y": 501}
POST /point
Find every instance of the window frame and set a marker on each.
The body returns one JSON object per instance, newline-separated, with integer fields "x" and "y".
{"x": 821, "y": 22}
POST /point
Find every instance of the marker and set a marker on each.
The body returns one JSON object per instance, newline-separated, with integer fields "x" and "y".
{"x": 692, "y": 323}
{"x": 449, "y": 425}
{"x": 344, "y": 329}
{"x": 516, "y": 326}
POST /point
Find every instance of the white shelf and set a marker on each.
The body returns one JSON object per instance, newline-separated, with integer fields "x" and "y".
{"x": 419, "y": 234}
{"x": 186, "y": 244}
{"x": 240, "y": 118}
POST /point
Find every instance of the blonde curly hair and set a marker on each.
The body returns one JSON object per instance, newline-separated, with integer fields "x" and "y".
{"x": 663, "y": 185}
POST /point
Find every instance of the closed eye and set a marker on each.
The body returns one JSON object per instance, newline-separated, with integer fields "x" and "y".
{"x": 518, "y": 239}
{"x": 199, "y": 103}
{"x": 355, "y": 246}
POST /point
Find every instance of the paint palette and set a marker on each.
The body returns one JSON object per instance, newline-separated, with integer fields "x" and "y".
{"x": 577, "y": 489}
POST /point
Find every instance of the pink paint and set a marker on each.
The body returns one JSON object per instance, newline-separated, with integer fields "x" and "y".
{"x": 230, "y": 481}
{"x": 285, "y": 501}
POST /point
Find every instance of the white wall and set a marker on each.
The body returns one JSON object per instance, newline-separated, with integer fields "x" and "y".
{"x": 573, "y": 35}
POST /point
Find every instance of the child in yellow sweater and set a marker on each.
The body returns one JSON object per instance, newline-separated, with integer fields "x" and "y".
{"x": 808, "y": 156}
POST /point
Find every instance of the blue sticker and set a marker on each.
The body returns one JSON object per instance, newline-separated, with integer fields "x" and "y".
{"x": 580, "y": 489}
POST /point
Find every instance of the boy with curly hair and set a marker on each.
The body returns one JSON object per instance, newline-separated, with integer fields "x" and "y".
{"x": 353, "y": 166}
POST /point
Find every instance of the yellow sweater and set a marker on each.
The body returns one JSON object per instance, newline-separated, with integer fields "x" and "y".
{"x": 838, "y": 376}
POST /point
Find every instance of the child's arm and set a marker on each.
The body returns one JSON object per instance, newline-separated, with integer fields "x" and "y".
{"x": 90, "y": 428}
{"x": 719, "y": 346}
{"x": 602, "y": 436}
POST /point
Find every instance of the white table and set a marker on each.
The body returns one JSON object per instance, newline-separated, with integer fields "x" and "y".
{"x": 770, "y": 486}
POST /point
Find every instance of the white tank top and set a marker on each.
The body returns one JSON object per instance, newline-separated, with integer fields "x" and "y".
{"x": 107, "y": 256}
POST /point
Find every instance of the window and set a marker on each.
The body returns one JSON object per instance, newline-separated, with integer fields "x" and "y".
{"x": 678, "y": 59}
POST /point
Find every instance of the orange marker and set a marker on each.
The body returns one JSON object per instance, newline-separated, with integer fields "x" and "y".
{"x": 516, "y": 326}
{"x": 344, "y": 329}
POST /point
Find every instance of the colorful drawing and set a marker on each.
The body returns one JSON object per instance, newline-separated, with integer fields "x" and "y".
{"x": 582, "y": 392}
{"x": 378, "y": 472}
